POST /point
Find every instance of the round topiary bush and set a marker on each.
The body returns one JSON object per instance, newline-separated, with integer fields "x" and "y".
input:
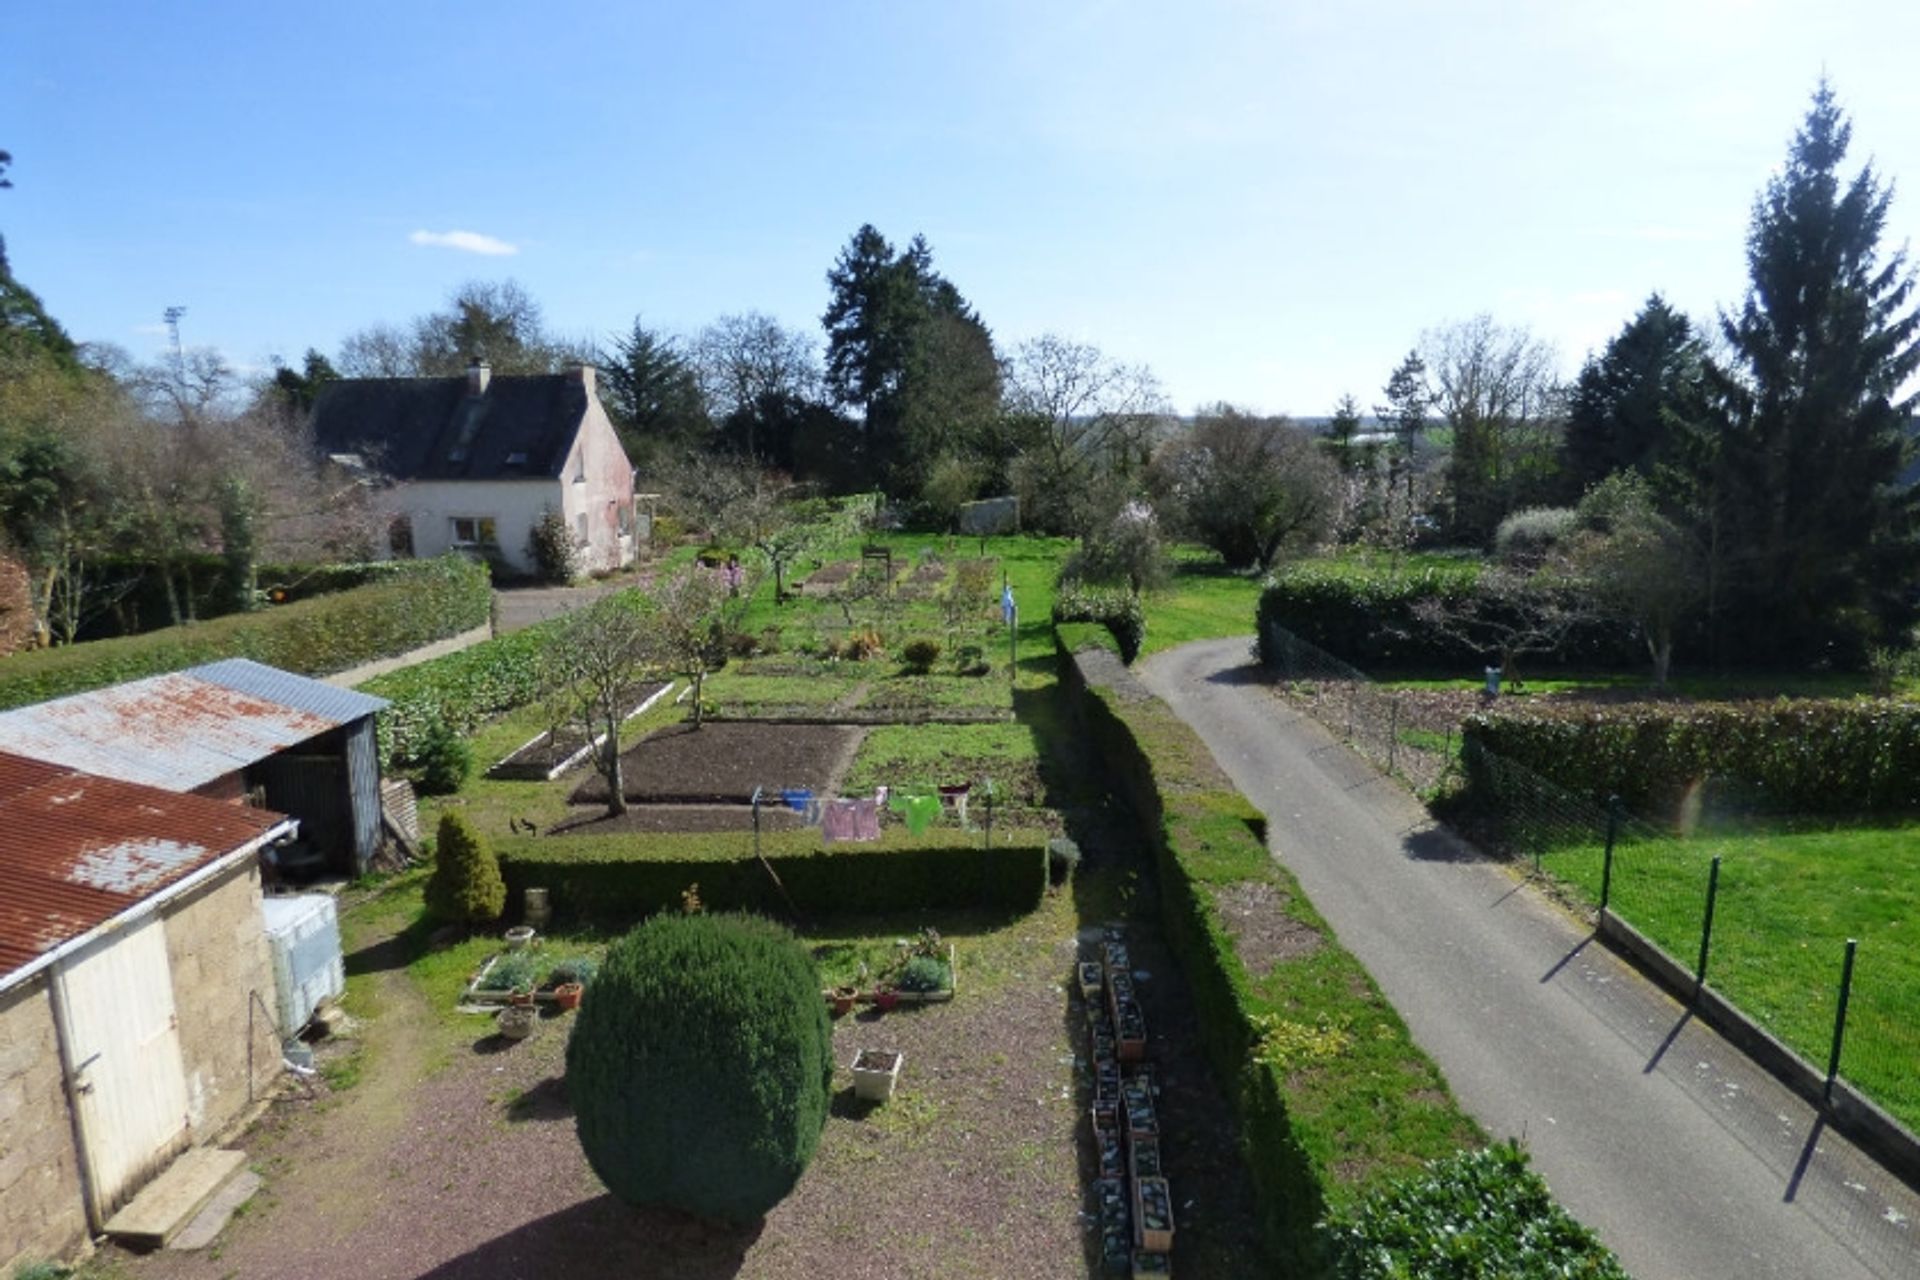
{"x": 465, "y": 886}
{"x": 700, "y": 1070}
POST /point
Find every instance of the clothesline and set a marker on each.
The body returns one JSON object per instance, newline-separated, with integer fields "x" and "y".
{"x": 857, "y": 818}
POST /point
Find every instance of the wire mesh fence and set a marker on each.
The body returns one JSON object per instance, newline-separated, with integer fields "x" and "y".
{"x": 1762, "y": 914}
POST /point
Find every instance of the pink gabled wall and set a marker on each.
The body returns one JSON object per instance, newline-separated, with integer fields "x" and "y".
{"x": 607, "y": 492}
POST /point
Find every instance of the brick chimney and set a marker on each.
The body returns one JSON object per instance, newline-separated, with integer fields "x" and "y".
{"x": 584, "y": 374}
{"x": 479, "y": 373}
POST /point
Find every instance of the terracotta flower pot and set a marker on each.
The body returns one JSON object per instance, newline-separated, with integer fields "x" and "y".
{"x": 567, "y": 995}
{"x": 841, "y": 1000}
{"x": 885, "y": 998}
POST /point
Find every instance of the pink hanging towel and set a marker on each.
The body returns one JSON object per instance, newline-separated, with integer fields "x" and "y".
{"x": 839, "y": 821}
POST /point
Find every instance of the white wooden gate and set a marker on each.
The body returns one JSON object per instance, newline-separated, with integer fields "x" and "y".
{"x": 116, "y": 1004}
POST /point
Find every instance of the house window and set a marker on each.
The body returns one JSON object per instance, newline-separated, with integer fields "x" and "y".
{"x": 474, "y": 531}
{"x": 400, "y": 537}
{"x": 580, "y": 528}
{"x": 623, "y": 519}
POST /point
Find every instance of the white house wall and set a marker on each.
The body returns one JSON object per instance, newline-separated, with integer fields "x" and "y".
{"x": 599, "y": 483}
{"x": 514, "y": 506}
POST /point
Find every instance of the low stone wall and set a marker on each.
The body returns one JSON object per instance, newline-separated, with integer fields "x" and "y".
{"x": 42, "y": 1211}
{"x": 355, "y": 676}
{"x": 217, "y": 949}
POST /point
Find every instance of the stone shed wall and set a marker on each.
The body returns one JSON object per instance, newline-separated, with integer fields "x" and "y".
{"x": 217, "y": 949}
{"x": 42, "y": 1211}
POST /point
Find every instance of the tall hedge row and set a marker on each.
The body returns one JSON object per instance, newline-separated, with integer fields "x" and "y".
{"x": 617, "y": 878}
{"x": 1850, "y": 758}
{"x": 204, "y": 580}
{"x": 429, "y": 601}
{"x": 1375, "y": 1109}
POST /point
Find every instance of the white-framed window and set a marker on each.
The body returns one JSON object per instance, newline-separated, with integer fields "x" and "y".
{"x": 474, "y": 531}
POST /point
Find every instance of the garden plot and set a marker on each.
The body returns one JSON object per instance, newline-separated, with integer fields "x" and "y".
{"x": 555, "y": 751}
{"x": 722, "y": 763}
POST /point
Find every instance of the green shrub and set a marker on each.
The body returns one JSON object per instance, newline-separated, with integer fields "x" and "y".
{"x": 465, "y": 887}
{"x": 430, "y": 600}
{"x": 580, "y": 969}
{"x": 920, "y": 653}
{"x": 924, "y": 974}
{"x": 1529, "y": 534}
{"x": 445, "y": 759}
{"x": 1119, "y": 612}
{"x": 514, "y": 971}
{"x": 700, "y": 1071}
{"x": 619, "y": 878}
{"x": 1478, "y": 1213}
{"x": 550, "y": 547}
{"x": 1851, "y": 758}
{"x": 459, "y": 690}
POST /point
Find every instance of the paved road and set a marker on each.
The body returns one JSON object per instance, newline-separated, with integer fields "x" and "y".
{"x": 1689, "y": 1162}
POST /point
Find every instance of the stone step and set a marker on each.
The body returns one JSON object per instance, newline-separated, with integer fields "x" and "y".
{"x": 212, "y": 1220}
{"x": 171, "y": 1200}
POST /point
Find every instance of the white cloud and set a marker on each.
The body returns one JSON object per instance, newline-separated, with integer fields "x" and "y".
{"x": 465, "y": 241}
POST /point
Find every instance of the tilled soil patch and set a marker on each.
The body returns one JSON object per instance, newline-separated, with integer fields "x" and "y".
{"x": 681, "y": 817}
{"x": 722, "y": 762}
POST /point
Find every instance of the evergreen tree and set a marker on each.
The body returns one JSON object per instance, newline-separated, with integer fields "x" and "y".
{"x": 1811, "y": 531}
{"x": 652, "y": 392}
{"x": 1341, "y": 429}
{"x": 1635, "y": 400}
{"x": 1405, "y": 412}
{"x": 906, "y": 349}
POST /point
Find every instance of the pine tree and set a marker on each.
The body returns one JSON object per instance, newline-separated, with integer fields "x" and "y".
{"x": 465, "y": 887}
{"x": 1634, "y": 401}
{"x": 1813, "y": 534}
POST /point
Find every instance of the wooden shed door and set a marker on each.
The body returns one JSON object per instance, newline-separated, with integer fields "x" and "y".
{"x": 116, "y": 1001}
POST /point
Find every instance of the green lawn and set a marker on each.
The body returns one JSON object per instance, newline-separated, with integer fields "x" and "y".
{"x": 1786, "y": 904}
{"x": 1204, "y": 600}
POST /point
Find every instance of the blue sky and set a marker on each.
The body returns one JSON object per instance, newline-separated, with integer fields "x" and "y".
{"x": 1265, "y": 202}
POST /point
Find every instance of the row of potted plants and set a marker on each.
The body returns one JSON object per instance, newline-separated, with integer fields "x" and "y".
{"x": 922, "y": 972}
{"x": 1135, "y": 1202}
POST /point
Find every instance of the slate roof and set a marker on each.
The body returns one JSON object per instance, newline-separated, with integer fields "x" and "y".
{"x": 521, "y": 427}
{"x": 78, "y": 850}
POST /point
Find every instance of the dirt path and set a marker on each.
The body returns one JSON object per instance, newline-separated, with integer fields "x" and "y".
{"x": 1689, "y": 1161}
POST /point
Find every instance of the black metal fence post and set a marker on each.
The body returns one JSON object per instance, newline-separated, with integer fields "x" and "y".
{"x": 1840, "y": 1020}
{"x": 1606, "y": 864}
{"x": 1706, "y": 925}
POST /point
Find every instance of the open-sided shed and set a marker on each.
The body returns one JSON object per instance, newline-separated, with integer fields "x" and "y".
{"x": 232, "y": 730}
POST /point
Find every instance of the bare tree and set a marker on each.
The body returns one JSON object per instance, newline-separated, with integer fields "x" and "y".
{"x": 591, "y": 669}
{"x": 688, "y": 629}
{"x": 1080, "y": 414}
{"x": 1247, "y": 486}
{"x": 1499, "y": 392}
{"x": 1512, "y": 612}
{"x": 743, "y": 358}
{"x": 1640, "y": 567}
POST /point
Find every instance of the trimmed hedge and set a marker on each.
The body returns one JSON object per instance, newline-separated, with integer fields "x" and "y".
{"x": 1119, "y": 612}
{"x": 1854, "y": 758}
{"x": 429, "y": 601}
{"x": 1375, "y": 1114}
{"x": 207, "y": 578}
{"x": 457, "y": 692}
{"x": 617, "y": 878}
{"x": 1367, "y": 620}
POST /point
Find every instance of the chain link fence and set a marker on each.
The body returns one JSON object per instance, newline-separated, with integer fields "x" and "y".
{"x": 1725, "y": 908}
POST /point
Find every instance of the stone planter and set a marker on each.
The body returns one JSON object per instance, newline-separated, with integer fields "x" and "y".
{"x": 875, "y": 1073}
{"x": 521, "y": 935}
{"x": 1153, "y": 1214}
{"x": 516, "y": 1021}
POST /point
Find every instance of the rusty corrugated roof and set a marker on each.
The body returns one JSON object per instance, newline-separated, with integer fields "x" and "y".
{"x": 173, "y": 731}
{"x": 77, "y": 850}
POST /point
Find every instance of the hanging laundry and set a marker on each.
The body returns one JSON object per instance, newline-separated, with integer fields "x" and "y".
{"x": 797, "y": 798}
{"x": 850, "y": 820}
{"x": 921, "y": 812}
{"x": 955, "y": 797}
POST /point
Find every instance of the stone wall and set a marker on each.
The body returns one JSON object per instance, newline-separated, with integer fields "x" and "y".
{"x": 217, "y": 948}
{"x": 42, "y": 1211}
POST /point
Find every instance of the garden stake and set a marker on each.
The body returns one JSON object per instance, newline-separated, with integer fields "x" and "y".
{"x": 1706, "y": 925}
{"x": 1840, "y": 1021}
{"x": 1393, "y": 729}
{"x": 1606, "y": 864}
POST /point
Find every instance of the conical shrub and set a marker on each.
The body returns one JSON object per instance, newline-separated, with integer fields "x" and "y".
{"x": 465, "y": 887}
{"x": 700, "y": 1069}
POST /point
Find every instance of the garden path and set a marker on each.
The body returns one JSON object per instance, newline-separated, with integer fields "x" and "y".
{"x": 1689, "y": 1161}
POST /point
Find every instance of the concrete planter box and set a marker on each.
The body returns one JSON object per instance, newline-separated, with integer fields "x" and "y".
{"x": 876, "y": 1072}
